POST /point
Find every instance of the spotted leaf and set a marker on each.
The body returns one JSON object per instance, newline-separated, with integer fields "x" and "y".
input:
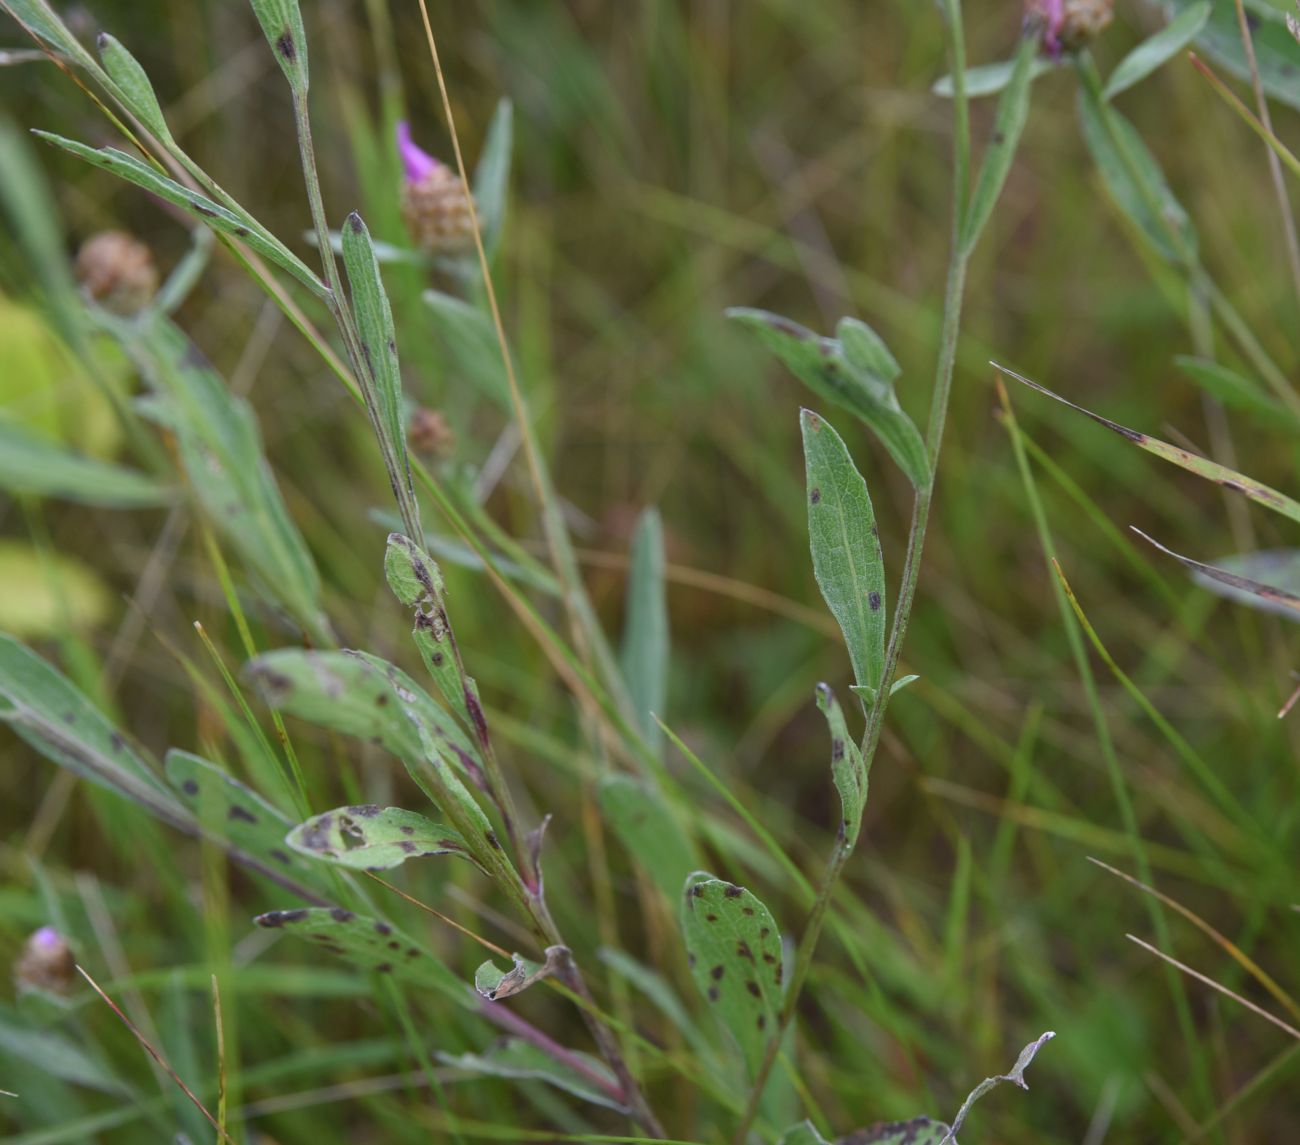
{"x": 366, "y": 837}
{"x": 848, "y": 768}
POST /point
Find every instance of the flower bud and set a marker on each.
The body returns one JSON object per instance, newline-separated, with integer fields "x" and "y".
{"x": 46, "y": 964}
{"x": 117, "y": 271}
{"x": 434, "y": 204}
{"x": 1068, "y": 25}
{"x": 429, "y": 433}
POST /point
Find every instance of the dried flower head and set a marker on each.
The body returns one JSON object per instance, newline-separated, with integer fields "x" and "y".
{"x": 117, "y": 271}
{"x": 1068, "y": 25}
{"x": 46, "y": 964}
{"x": 429, "y": 433}
{"x": 434, "y": 204}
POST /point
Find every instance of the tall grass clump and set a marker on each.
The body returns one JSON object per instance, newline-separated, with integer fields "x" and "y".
{"x": 615, "y": 938}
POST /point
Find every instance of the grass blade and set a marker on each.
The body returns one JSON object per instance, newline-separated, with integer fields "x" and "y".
{"x": 1157, "y": 50}
{"x": 645, "y": 651}
{"x": 31, "y": 465}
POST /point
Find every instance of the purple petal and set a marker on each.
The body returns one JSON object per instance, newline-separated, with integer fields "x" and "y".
{"x": 47, "y": 938}
{"x": 419, "y": 164}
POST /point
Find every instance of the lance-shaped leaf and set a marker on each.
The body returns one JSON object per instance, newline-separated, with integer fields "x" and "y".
{"x": 1133, "y": 179}
{"x": 133, "y": 85}
{"x": 492, "y": 175}
{"x": 1238, "y": 392}
{"x": 644, "y": 655}
{"x": 242, "y": 226}
{"x": 913, "y": 1131}
{"x": 360, "y": 695}
{"x": 848, "y": 769}
{"x": 734, "y": 950}
{"x": 1201, "y": 466}
{"x": 467, "y": 335}
{"x": 578, "y": 1074}
{"x": 824, "y": 366}
{"x": 495, "y": 984}
{"x": 1013, "y": 112}
{"x": 230, "y": 811}
{"x": 378, "y": 336}
{"x": 1277, "y": 55}
{"x": 33, "y": 465}
{"x": 1157, "y": 50}
{"x": 846, "y": 554}
{"x": 366, "y": 837}
{"x": 646, "y": 826}
{"x": 221, "y": 449}
{"x": 281, "y": 22}
{"x": 369, "y": 944}
{"x": 989, "y": 79}
{"x": 58, "y": 720}
{"x": 417, "y": 582}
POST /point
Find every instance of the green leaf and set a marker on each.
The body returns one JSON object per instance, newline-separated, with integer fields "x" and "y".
{"x": 228, "y": 810}
{"x": 1133, "y": 179}
{"x": 133, "y": 84}
{"x": 45, "y": 709}
{"x": 494, "y": 984}
{"x": 369, "y": 944}
{"x": 1277, "y": 55}
{"x": 221, "y": 450}
{"x": 360, "y": 695}
{"x": 846, "y": 554}
{"x": 281, "y": 22}
{"x": 468, "y": 336}
{"x": 492, "y": 176}
{"x": 580, "y": 1074}
{"x": 35, "y": 466}
{"x": 805, "y": 1133}
{"x": 42, "y": 21}
{"x": 1201, "y": 466}
{"x": 644, "y": 655}
{"x": 848, "y": 769}
{"x": 366, "y": 837}
{"x": 914, "y": 1131}
{"x": 735, "y": 954}
{"x": 219, "y": 218}
{"x": 1013, "y": 112}
{"x": 1237, "y": 392}
{"x": 866, "y": 352}
{"x": 645, "y": 825}
{"x": 823, "y": 365}
{"x": 1154, "y": 52}
{"x": 989, "y": 79}
{"x": 58, "y": 1056}
{"x": 379, "y": 348}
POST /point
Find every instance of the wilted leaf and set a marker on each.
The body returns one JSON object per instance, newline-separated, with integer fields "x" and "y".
{"x": 735, "y": 954}
{"x": 34, "y": 466}
{"x": 846, "y": 552}
{"x": 643, "y": 823}
{"x": 1016, "y": 1076}
{"x": 1266, "y": 597}
{"x": 1155, "y": 51}
{"x": 366, "y": 837}
{"x": 825, "y": 367}
{"x": 580, "y": 1074}
{"x": 495, "y": 984}
{"x": 848, "y": 769}
{"x": 644, "y": 655}
{"x": 369, "y": 944}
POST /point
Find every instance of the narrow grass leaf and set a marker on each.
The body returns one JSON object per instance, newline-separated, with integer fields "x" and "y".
{"x": 369, "y": 944}
{"x": 1277, "y": 568}
{"x": 281, "y": 22}
{"x": 228, "y": 810}
{"x": 989, "y": 79}
{"x": 643, "y": 657}
{"x": 1237, "y": 392}
{"x": 34, "y": 466}
{"x": 133, "y": 84}
{"x": 848, "y": 769}
{"x": 1012, "y": 114}
{"x": 646, "y": 827}
{"x": 45, "y": 709}
{"x": 846, "y": 554}
{"x": 1015, "y": 1076}
{"x": 58, "y": 1056}
{"x": 734, "y": 950}
{"x": 216, "y": 216}
{"x": 495, "y": 984}
{"x": 1133, "y": 179}
{"x": 379, "y": 347}
{"x": 1201, "y": 466}
{"x": 366, "y": 837}
{"x": 823, "y": 365}
{"x": 578, "y": 1074}
{"x": 1157, "y": 50}
{"x": 466, "y": 333}
{"x": 1279, "y": 599}
{"x": 491, "y": 181}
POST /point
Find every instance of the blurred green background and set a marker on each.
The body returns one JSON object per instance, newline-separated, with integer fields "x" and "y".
{"x": 673, "y": 159}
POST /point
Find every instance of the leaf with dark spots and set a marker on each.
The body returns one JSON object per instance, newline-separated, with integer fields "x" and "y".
{"x": 726, "y": 941}
{"x": 372, "y": 838}
{"x": 495, "y": 984}
{"x": 281, "y": 22}
{"x": 848, "y": 768}
{"x": 914, "y": 1131}
{"x": 357, "y": 939}
{"x": 1201, "y": 466}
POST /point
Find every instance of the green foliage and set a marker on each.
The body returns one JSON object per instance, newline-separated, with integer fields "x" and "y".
{"x": 366, "y": 837}
{"x": 282, "y": 25}
{"x": 1153, "y": 53}
{"x": 848, "y": 769}
{"x": 133, "y": 84}
{"x": 31, "y": 465}
{"x": 647, "y": 827}
{"x": 579, "y": 1074}
{"x": 644, "y": 655}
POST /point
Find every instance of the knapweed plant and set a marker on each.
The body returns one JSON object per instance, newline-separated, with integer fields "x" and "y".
{"x": 672, "y": 1004}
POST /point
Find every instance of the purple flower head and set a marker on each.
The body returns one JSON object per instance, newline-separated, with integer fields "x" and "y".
{"x": 1055, "y": 13}
{"x": 47, "y": 938}
{"x": 419, "y": 164}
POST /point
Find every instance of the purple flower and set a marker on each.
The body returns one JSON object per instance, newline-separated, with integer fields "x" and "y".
{"x": 1054, "y": 10}
{"x": 419, "y": 164}
{"x": 47, "y": 938}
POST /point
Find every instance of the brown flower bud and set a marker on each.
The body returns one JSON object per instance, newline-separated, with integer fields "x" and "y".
{"x": 1068, "y": 25}
{"x": 435, "y": 207}
{"x": 46, "y": 964}
{"x": 430, "y": 433}
{"x": 117, "y": 271}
